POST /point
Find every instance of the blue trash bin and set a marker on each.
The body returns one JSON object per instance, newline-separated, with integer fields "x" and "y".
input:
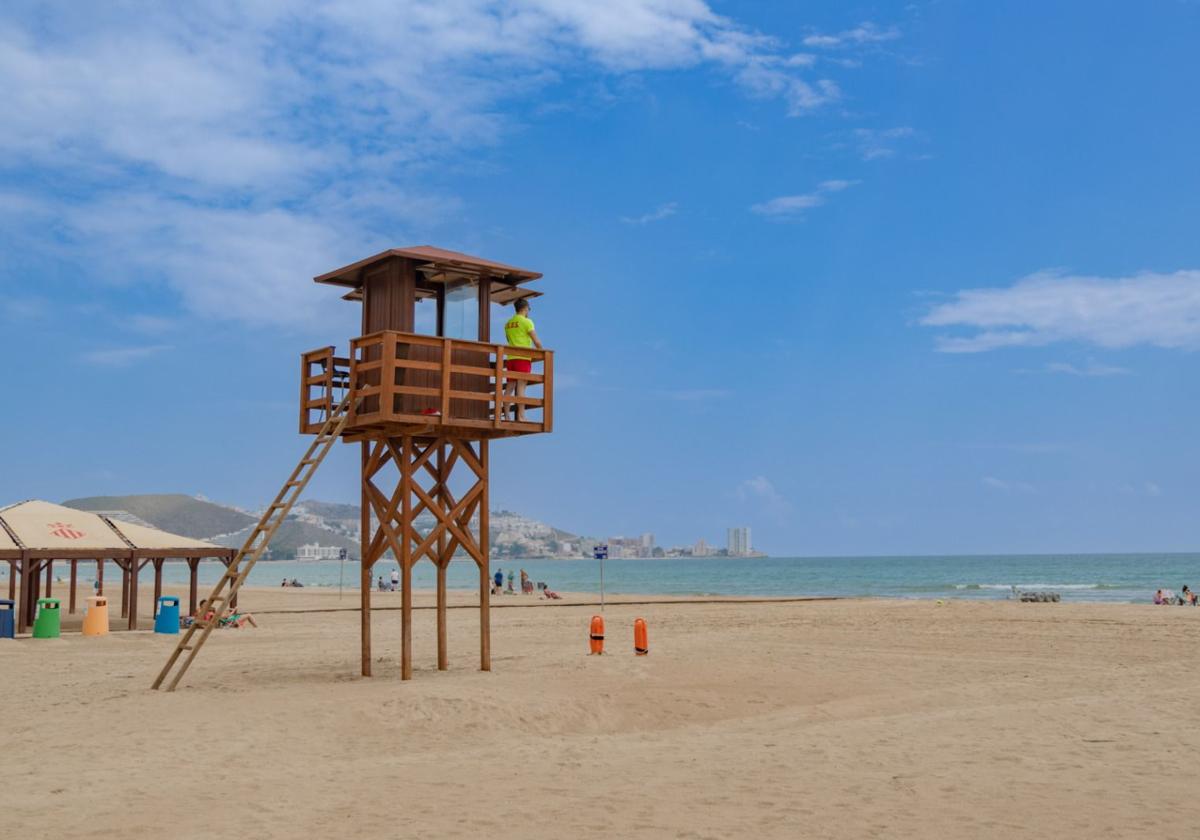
{"x": 7, "y": 631}
{"x": 167, "y": 620}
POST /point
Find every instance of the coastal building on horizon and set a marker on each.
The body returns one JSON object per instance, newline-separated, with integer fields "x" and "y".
{"x": 316, "y": 551}
{"x": 738, "y": 542}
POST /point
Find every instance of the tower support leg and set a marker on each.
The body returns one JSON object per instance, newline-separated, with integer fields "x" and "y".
{"x": 406, "y": 559}
{"x": 366, "y": 559}
{"x": 485, "y": 605}
{"x": 444, "y": 552}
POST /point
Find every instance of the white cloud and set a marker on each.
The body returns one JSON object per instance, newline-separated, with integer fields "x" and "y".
{"x": 761, "y": 491}
{"x": 877, "y": 143}
{"x": 835, "y": 185}
{"x": 864, "y": 33}
{"x": 793, "y": 206}
{"x": 1090, "y": 369}
{"x": 1008, "y": 486}
{"x": 1160, "y": 310}
{"x": 203, "y": 141}
{"x": 1145, "y": 488}
{"x": 786, "y": 205}
{"x": 663, "y": 211}
{"x": 122, "y": 356}
{"x": 247, "y": 265}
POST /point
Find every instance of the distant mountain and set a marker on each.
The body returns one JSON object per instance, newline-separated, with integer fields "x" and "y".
{"x": 323, "y": 523}
{"x": 174, "y": 512}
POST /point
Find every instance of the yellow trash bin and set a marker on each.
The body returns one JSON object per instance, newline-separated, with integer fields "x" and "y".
{"x": 95, "y": 620}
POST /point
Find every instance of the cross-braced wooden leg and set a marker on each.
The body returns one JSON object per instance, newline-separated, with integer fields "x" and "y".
{"x": 424, "y": 487}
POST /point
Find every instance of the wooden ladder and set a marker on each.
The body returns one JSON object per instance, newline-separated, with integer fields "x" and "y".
{"x": 235, "y": 575}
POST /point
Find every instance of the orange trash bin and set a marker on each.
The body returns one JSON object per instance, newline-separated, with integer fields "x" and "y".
{"x": 95, "y": 620}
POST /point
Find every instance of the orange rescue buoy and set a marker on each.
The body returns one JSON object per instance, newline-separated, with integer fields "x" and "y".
{"x": 641, "y": 645}
{"x": 596, "y": 635}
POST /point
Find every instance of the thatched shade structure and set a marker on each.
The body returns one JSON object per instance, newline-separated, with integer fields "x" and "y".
{"x": 34, "y": 534}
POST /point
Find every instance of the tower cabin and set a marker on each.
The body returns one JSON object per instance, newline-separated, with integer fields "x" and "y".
{"x": 428, "y": 389}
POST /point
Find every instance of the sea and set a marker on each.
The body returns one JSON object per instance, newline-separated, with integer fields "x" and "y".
{"x": 1076, "y": 577}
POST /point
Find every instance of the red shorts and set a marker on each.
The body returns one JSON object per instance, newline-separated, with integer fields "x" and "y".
{"x": 519, "y": 365}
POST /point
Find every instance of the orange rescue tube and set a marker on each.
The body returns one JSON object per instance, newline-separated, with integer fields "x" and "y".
{"x": 641, "y": 644}
{"x": 596, "y": 635}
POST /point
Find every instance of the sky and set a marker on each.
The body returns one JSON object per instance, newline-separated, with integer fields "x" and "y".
{"x": 868, "y": 278}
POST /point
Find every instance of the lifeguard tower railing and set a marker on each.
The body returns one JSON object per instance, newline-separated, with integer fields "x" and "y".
{"x": 404, "y": 383}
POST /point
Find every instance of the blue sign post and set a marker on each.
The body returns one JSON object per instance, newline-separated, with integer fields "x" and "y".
{"x": 600, "y": 552}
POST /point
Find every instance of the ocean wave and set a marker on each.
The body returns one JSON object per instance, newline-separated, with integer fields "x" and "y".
{"x": 1008, "y": 586}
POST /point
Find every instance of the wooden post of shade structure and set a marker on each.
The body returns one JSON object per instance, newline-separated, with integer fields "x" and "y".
{"x": 135, "y": 566}
{"x": 158, "y": 566}
{"x": 12, "y": 580}
{"x": 49, "y": 578}
{"x": 124, "y": 588}
{"x": 424, "y": 407}
{"x": 100, "y": 577}
{"x": 23, "y": 600}
{"x": 193, "y": 583}
{"x": 74, "y": 572}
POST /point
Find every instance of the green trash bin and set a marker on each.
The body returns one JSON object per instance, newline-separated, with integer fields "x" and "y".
{"x": 48, "y": 624}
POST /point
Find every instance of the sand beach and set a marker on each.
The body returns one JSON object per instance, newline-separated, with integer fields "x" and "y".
{"x": 851, "y": 718}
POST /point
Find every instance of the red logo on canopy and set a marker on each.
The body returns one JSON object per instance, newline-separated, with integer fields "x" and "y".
{"x": 62, "y": 529}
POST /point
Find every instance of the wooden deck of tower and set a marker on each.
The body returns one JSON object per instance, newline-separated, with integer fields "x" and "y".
{"x": 427, "y": 395}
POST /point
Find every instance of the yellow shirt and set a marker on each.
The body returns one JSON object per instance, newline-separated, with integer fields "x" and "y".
{"x": 518, "y": 332}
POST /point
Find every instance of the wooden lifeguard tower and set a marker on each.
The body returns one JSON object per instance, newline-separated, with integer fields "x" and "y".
{"x": 423, "y": 391}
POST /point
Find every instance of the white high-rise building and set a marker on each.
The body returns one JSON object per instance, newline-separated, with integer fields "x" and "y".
{"x": 647, "y": 544}
{"x": 738, "y": 543}
{"x": 315, "y": 551}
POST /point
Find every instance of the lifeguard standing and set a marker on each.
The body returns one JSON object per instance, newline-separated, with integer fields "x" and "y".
{"x": 519, "y": 332}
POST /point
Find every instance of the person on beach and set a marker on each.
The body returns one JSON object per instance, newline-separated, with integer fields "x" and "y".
{"x": 526, "y": 588}
{"x": 200, "y": 614}
{"x": 239, "y": 620}
{"x": 510, "y": 583}
{"x": 1188, "y": 596}
{"x": 395, "y": 579}
{"x": 519, "y": 332}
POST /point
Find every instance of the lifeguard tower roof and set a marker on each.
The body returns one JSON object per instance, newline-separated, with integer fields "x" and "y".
{"x": 439, "y": 266}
